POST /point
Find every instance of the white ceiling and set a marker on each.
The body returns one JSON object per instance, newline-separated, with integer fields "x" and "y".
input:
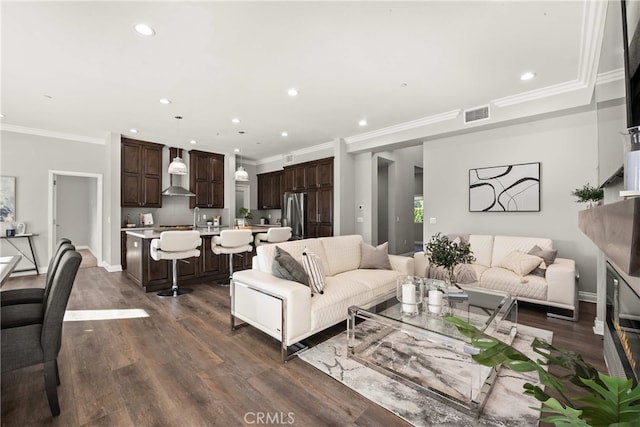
{"x": 80, "y": 68}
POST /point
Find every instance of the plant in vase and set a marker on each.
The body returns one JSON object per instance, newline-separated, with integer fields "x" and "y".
{"x": 246, "y": 215}
{"x": 588, "y": 194}
{"x": 605, "y": 400}
{"x": 447, "y": 253}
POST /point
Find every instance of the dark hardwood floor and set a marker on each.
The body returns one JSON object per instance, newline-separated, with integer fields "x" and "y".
{"x": 182, "y": 366}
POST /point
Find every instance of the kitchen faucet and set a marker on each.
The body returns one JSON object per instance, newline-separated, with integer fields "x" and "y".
{"x": 195, "y": 212}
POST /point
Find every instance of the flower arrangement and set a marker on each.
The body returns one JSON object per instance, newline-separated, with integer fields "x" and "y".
{"x": 447, "y": 253}
{"x": 588, "y": 194}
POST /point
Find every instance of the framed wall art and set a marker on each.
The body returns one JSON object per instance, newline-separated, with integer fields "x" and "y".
{"x": 7, "y": 198}
{"x": 511, "y": 188}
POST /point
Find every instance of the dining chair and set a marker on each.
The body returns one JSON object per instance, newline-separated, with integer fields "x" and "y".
{"x": 40, "y": 343}
{"x": 25, "y": 313}
{"x": 34, "y": 295}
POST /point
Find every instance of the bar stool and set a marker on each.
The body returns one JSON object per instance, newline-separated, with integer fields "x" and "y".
{"x": 232, "y": 242}
{"x": 175, "y": 245}
{"x": 273, "y": 235}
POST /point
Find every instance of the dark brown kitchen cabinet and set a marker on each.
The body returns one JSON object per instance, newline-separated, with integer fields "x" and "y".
{"x": 320, "y": 212}
{"x": 270, "y": 189}
{"x": 141, "y": 174}
{"x": 206, "y": 179}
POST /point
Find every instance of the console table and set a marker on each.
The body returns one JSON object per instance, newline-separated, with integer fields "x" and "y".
{"x": 32, "y": 258}
{"x": 7, "y": 264}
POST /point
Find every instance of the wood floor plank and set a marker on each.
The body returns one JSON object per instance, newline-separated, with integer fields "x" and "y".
{"x": 183, "y": 365}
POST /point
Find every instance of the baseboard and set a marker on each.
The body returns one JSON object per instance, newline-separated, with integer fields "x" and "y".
{"x": 588, "y": 297}
{"x": 110, "y": 268}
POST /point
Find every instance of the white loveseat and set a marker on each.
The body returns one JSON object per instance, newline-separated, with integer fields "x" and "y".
{"x": 558, "y": 287}
{"x": 286, "y": 310}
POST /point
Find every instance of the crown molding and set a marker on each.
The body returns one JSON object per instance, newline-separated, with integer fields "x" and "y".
{"x": 305, "y": 150}
{"x": 52, "y": 134}
{"x": 436, "y": 118}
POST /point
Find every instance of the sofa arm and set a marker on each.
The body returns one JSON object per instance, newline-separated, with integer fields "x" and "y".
{"x": 561, "y": 282}
{"x": 420, "y": 264}
{"x": 256, "y": 299}
{"x": 403, "y": 264}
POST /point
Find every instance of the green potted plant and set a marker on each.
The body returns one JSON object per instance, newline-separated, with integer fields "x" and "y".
{"x": 607, "y": 401}
{"x": 588, "y": 194}
{"x": 246, "y": 215}
{"x": 446, "y": 253}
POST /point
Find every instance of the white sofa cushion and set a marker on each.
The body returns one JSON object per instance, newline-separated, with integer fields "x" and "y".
{"x": 339, "y": 294}
{"x": 504, "y": 245}
{"x": 342, "y": 253}
{"x": 534, "y": 287}
{"x": 482, "y": 247}
{"x": 378, "y": 282}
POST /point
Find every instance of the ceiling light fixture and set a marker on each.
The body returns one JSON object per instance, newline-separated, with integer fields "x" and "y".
{"x": 144, "y": 29}
{"x": 235, "y": 120}
{"x": 193, "y": 141}
{"x": 527, "y": 76}
{"x": 165, "y": 101}
{"x": 177, "y": 166}
{"x": 284, "y": 134}
{"x": 362, "y": 122}
{"x": 132, "y": 130}
{"x": 293, "y": 92}
{"x": 240, "y": 174}
{"x": 1, "y": 115}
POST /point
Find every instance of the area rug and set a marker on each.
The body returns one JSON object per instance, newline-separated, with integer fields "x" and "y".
{"x": 506, "y": 405}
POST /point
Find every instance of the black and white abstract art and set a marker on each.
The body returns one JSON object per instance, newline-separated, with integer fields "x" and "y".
{"x": 512, "y": 188}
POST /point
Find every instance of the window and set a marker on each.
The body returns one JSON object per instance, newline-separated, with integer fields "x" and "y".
{"x": 418, "y": 209}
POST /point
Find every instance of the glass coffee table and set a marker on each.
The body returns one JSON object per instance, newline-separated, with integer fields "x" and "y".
{"x": 428, "y": 353}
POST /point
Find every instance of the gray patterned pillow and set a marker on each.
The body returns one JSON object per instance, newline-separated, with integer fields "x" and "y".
{"x": 375, "y": 258}
{"x": 286, "y": 267}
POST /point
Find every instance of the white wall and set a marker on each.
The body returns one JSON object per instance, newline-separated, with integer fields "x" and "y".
{"x": 566, "y": 147}
{"x": 29, "y": 158}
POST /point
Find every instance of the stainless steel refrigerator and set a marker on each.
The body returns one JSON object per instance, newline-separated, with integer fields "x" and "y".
{"x": 294, "y": 214}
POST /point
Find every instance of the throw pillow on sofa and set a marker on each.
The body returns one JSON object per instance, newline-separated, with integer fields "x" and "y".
{"x": 548, "y": 257}
{"x": 313, "y": 267}
{"x": 375, "y": 257}
{"x": 520, "y": 263}
{"x": 286, "y": 267}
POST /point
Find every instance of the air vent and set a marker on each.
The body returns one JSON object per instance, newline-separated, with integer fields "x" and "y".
{"x": 480, "y": 113}
{"x": 288, "y": 158}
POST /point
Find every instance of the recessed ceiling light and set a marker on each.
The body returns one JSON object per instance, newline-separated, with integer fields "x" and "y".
{"x": 1, "y": 115}
{"x": 293, "y": 92}
{"x": 362, "y": 122}
{"x": 527, "y": 76}
{"x": 235, "y": 120}
{"x": 193, "y": 141}
{"x": 48, "y": 96}
{"x": 236, "y": 150}
{"x": 284, "y": 134}
{"x": 132, "y": 130}
{"x": 165, "y": 101}
{"x": 144, "y": 30}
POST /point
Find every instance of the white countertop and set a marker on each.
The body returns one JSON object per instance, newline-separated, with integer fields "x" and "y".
{"x": 151, "y": 233}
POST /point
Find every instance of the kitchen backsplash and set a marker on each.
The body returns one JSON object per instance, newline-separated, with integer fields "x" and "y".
{"x": 174, "y": 211}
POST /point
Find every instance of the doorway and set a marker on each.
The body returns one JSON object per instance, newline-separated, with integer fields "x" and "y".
{"x": 75, "y": 210}
{"x": 383, "y": 201}
{"x": 243, "y": 198}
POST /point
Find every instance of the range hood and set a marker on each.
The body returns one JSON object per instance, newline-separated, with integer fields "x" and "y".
{"x": 175, "y": 190}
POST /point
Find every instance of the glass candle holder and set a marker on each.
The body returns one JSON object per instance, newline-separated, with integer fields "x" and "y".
{"x": 409, "y": 291}
{"x": 436, "y": 296}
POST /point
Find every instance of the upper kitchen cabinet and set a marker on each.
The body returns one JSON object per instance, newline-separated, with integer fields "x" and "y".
{"x": 270, "y": 189}
{"x": 141, "y": 174}
{"x": 206, "y": 179}
{"x": 308, "y": 176}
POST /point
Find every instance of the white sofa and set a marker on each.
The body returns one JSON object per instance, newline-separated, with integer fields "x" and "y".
{"x": 557, "y": 289}
{"x": 286, "y": 310}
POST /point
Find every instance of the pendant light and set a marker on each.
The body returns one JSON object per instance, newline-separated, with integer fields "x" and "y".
{"x": 177, "y": 166}
{"x": 241, "y": 174}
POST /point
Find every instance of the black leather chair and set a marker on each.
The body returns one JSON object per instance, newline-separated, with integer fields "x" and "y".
{"x": 40, "y": 343}
{"x": 33, "y": 295}
{"x": 27, "y": 313}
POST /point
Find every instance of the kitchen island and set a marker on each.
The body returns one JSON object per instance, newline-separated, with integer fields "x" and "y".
{"x": 154, "y": 275}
